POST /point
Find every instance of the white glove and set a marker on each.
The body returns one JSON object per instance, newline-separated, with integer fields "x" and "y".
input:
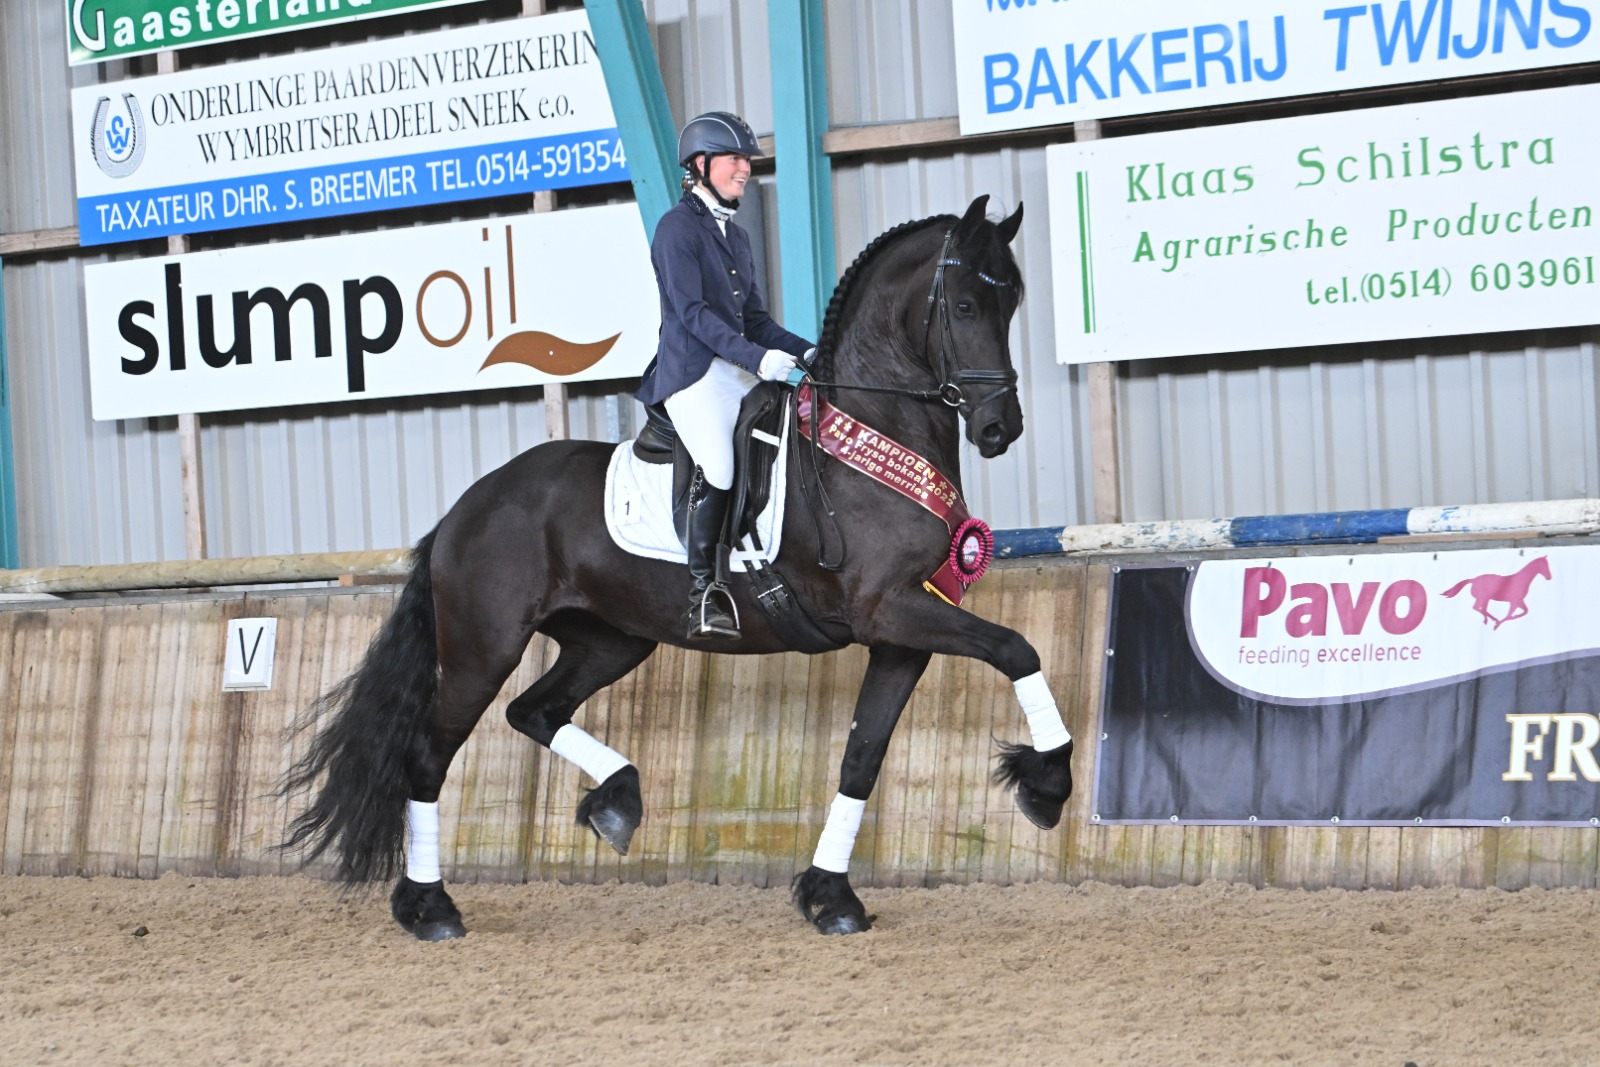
{"x": 776, "y": 365}
{"x": 810, "y": 357}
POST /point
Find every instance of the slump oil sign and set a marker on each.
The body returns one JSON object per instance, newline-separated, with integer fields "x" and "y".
{"x": 567, "y": 295}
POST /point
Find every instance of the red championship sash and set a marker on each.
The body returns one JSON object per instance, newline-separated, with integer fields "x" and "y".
{"x": 884, "y": 460}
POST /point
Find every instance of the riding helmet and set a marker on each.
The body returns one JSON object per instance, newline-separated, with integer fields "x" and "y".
{"x": 717, "y": 133}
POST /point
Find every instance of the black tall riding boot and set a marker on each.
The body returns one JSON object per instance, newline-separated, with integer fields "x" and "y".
{"x": 710, "y": 605}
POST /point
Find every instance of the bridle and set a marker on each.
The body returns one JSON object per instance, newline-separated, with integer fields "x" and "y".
{"x": 950, "y": 391}
{"x": 951, "y": 381}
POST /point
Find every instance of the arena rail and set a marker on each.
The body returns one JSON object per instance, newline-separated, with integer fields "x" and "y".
{"x": 1536, "y": 518}
{"x": 208, "y": 573}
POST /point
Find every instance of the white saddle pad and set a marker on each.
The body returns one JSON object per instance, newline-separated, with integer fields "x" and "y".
{"x": 639, "y": 508}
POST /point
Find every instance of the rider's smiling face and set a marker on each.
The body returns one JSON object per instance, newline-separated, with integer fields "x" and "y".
{"x": 728, "y": 173}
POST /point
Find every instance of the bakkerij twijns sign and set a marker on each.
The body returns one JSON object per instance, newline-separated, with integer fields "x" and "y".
{"x": 98, "y": 30}
{"x": 507, "y": 107}
{"x": 1457, "y": 217}
{"x": 521, "y": 300}
{"x": 1022, "y": 63}
{"x": 1395, "y": 688}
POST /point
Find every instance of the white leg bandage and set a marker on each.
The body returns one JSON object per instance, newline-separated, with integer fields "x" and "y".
{"x": 838, "y": 838}
{"x": 1044, "y": 721}
{"x": 422, "y": 842}
{"x": 592, "y": 756}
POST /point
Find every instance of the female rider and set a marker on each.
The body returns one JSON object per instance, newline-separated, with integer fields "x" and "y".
{"x": 717, "y": 338}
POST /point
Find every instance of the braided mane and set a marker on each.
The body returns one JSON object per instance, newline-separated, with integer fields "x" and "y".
{"x": 992, "y": 257}
{"x": 832, "y": 325}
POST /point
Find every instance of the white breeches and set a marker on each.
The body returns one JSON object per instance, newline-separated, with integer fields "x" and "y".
{"x": 705, "y": 413}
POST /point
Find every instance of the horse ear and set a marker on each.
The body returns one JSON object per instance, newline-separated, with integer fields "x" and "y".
{"x": 1010, "y": 225}
{"x": 972, "y": 219}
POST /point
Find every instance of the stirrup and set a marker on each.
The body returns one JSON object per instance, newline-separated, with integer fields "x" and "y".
{"x": 703, "y": 626}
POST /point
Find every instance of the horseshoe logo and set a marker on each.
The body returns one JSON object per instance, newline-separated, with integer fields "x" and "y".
{"x": 117, "y": 147}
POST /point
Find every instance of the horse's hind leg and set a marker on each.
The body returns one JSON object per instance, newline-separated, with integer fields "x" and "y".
{"x": 822, "y": 892}
{"x": 593, "y": 655}
{"x": 471, "y": 673}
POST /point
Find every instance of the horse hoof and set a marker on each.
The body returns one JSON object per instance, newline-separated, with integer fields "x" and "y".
{"x": 613, "y": 809}
{"x": 842, "y": 924}
{"x": 828, "y": 903}
{"x": 614, "y": 829}
{"x": 1040, "y": 810}
{"x": 1043, "y": 780}
{"x": 426, "y": 910}
{"x": 444, "y": 930}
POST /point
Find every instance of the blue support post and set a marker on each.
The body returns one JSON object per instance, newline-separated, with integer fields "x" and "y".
{"x": 805, "y": 189}
{"x": 639, "y": 100}
{"x": 9, "y": 551}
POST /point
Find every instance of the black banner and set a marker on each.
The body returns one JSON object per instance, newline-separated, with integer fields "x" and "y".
{"x": 1510, "y": 747}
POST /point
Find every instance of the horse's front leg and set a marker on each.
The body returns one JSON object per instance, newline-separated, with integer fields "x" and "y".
{"x": 1041, "y": 773}
{"x": 822, "y": 892}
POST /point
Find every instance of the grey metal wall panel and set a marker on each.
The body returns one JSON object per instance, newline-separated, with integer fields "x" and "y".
{"x": 86, "y": 491}
{"x": 1454, "y": 420}
{"x": 889, "y": 61}
{"x": 1501, "y": 417}
{"x": 370, "y": 474}
{"x": 714, "y": 57}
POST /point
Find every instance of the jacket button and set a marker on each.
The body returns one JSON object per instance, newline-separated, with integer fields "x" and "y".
{"x": 736, "y": 292}
{"x": 732, "y": 271}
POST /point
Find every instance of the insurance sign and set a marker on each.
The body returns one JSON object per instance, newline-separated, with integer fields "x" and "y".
{"x": 1457, "y": 217}
{"x": 551, "y": 297}
{"x": 507, "y": 107}
{"x": 1023, "y": 63}
{"x": 98, "y": 30}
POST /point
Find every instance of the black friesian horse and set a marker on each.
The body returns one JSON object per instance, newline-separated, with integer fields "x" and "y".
{"x": 917, "y": 331}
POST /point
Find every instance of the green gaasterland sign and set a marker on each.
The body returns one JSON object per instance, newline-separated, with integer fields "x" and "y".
{"x": 114, "y": 29}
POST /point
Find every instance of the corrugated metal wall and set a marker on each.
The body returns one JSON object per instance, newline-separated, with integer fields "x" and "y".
{"x": 1455, "y": 420}
{"x": 307, "y": 479}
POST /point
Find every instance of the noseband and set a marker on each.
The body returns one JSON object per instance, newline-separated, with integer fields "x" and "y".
{"x": 951, "y": 380}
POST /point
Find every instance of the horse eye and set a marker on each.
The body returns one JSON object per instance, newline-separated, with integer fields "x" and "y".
{"x": 964, "y": 309}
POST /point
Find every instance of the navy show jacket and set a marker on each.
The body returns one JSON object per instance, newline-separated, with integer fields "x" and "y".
{"x": 710, "y": 303}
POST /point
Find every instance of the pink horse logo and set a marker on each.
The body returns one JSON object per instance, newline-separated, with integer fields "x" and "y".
{"x": 1510, "y": 589}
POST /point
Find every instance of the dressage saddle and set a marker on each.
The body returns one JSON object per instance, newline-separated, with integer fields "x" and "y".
{"x": 756, "y": 441}
{"x": 755, "y": 450}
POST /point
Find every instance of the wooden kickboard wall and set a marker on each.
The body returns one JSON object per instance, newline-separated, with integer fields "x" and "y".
{"x": 121, "y": 755}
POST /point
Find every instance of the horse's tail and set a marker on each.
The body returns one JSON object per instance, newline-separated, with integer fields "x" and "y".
{"x": 375, "y": 720}
{"x": 1454, "y": 589}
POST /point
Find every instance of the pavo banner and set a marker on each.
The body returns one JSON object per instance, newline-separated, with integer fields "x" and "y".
{"x": 1454, "y": 688}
